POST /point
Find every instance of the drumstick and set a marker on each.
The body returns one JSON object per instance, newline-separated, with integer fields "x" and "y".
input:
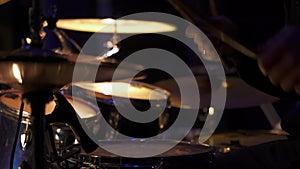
{"x": 196, "y": 19}
{"x": 3, "y": 1}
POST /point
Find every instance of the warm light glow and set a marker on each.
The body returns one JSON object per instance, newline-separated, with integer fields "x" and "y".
{"x": 109, "y": 44}
{"x": 108, "y": 21}
{"x": 125, "y": 90}
{"x": 56, "y": 137}
{"x": 17, "y": 72}
{"x": 109, "y": 26}
{"x": 28, "y": 40}
{"x": 225, "y": 84}
{"x": 211, "y": 111}
{"x": 23, "y": 140}
{"x": 114, "y": 50}
{"x": 45, "y": 24}
{"x": 58, "y": 130}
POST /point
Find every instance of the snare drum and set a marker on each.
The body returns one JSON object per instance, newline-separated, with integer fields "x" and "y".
{"x": 140, "y": 95}
{"x": 184, "y": 155}
{"x": 9, "y": 112}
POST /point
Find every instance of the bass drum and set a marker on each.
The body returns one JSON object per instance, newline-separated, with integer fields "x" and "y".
{"x": 184, "y": 155}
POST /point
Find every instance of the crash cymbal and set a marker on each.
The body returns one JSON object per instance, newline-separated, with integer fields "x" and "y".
{"x": 109, "y": 25}
{"x": 239, "y": 93}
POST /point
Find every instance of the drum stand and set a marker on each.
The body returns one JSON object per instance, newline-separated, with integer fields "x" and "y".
{"x": 38, "y": 101}
{"x": 36, "y": 91}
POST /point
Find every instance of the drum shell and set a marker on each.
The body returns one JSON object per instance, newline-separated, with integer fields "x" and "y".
{"x": 8, "y": 128}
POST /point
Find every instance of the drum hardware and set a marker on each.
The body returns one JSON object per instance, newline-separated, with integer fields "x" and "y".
{"x": 63, "y": 145}
{"x": 65, "y": 113}
{"x": 65, "y": 156}
{"x": 26, "y": 137}
{"x": 68, "y": 46}
{"x": 67, "y": 143}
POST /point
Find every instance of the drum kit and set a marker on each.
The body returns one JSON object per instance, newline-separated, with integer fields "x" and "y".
{"x": 37, "y": 103}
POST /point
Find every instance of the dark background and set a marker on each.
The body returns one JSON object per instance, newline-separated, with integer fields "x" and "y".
{"x": 257, "y": 24}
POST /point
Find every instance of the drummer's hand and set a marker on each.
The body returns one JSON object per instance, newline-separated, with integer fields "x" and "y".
{"x": 280, "y": 59}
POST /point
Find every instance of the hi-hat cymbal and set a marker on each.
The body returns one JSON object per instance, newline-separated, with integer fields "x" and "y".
{"x": 239, "y": 93}
{"x": 38, "y": 69}
{"x": 35, "y": 69}
{"x": 109, "y": 25}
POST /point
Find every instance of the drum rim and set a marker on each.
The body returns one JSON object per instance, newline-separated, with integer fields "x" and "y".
{"x": 155, "y": 161}
{"x": 15, "y": 113}
{"x": 205, "y": 146}
{"x": 12, "y": 112}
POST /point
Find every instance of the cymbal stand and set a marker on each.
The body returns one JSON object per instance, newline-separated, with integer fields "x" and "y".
{"x": 38, "y": 101}
{"x": 37, "y": 98}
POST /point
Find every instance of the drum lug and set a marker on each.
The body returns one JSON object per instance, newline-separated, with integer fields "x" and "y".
{"x": 26, "y": 137}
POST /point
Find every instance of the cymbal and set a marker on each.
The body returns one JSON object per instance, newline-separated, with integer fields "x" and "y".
{"x": 244, "y": 138}
{"x": 35, "y": 69}
{"x": 38, "y": 69}
{"x": 132, "y": 90}
{"x": 109, "y": 25}
{"x": 226, "y": 141}
{"x": 239, "y": 93}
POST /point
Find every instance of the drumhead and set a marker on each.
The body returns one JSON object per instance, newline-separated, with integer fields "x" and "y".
{"x": 183, "y": 155}
{"x": 10, "y": 102}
